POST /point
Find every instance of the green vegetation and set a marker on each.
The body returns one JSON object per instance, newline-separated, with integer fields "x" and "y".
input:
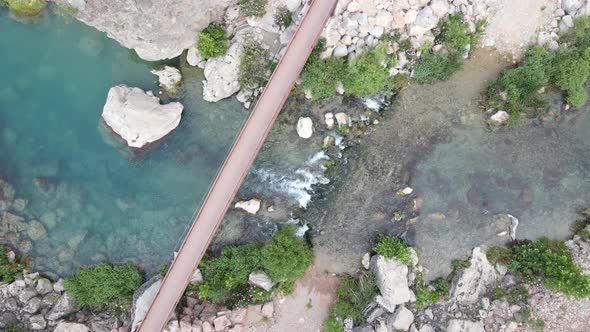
{"x": 499, "y": 255}
{"x": 285, "y": 258}
{"x": 9, "y": 270}
{"x": 321, "y": 76}
{"x": 213, "y": 41}
{"x": 26, "y": 7}
{"x": 434, "y": 67}
{"x": 439, "y": 289}
{"x": 551, "y": 262}
{"x": 352, "y": 297}
{"x": 391, "y": 247}
{"x": 283, "y": 17}
{"x": 498, "y": 293}
{"x": 104, "y": 286}
{"x": 457, "y": 264}
{"x": 517, "y": 294}
{"x": 254, "y": 66}
{"x": 253, "y": 7}
{"x": 14, "y": 328}
{"x": 455, "y": 34}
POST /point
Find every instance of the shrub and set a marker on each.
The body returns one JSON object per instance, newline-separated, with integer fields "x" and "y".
{"x": 455, "y": 34}
{"x": 254, "y": 66}
{"x": 499, "y": 255}
{"x": 425, "y": 297}
{"x": 367, "y": 74}
{"x": 579, "y": 35}
{"x": 442, "y": 286}
{"x": 8, "y": 270}
{"x": 391, "y": 247}
{"x": 26, "y": 7}
{"x": 13, "y": 328}
{"x": 517, "y": 294}
{"x": 286, "y": 257}
{"x": 104, "y": 286}
{"x": 333, "y": 325}
{"x": 283, "y": 17}
{"x": 212, "y": 41}
{"x": 551, "y": 262}
{"x": 228, "y": 273}
{"x": 498, "y": 293}
{"x": 434, "y": 67}
{"x": 321, "y": 76}
{"x": 570, "y": 72}
{"x": 253, "y": 7}
{"x": 352, "y": 298}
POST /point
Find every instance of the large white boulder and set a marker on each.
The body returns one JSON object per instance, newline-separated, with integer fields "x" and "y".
{"x": 425, "y": 21}
{"x": 401, "y": 319}
{"x": 222, "y": 74}
{"x": 137, "y": 117}
{"x": 439, "y": 7}
{"x": 473, "y": 281}
{"x": 571, "y": 6}
{"x": 251, "y": 206}
{"x": 304, "y": 127}
{"x": 392, "y": 279}
{"x": 461, "y": 325}
{"x": 142, "y": 300}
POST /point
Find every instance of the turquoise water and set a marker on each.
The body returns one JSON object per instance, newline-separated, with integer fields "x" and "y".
{"x": 94, "y": 202}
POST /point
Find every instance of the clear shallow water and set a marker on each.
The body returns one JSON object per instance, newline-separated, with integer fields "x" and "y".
{"x": 93, "y": 202}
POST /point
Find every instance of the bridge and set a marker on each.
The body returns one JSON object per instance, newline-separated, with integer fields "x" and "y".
{"x": 236, "y": 165}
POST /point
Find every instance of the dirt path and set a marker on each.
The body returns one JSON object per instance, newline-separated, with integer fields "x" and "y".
{"x": 345, "y": 224}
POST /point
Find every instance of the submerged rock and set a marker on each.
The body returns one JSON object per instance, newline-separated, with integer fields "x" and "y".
{"x": 392, "y": 279}
{"x": 138, "y": 117}
{"x": 473, "y": 281}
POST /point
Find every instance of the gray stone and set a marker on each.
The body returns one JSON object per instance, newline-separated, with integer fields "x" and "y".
{"x": 304, "y": 127}
{"x": 155, "y": 29}
{"x": 499, "y": 118}
{"x": 460, "y": 325}
{"x": 391, "y": 277}
{"x": 36, "y": 230}
{"x": 25, "y": 295}
{"x": 401, "y": 319}
{"x": 220, "y": 323}
{"x": 340, "y": 51}
{"x": 261, "y": 280}
{"x": 439, "y": 7}
{"x": 222, "y": 74}
{"x": 59, "y": 286}
{"x": 169, "y": 78}
{"x": 71, "y": 327}
{"x": 142, "y": 299}
{"x": 571, "y": 6}
{"x": 425, "y": 21}
{"x": 137, "y": 117}
{"x": 473, "y": 281}
{"x": 32, "y": 305}
{"x": 37, "y": 322}
{"x": 426, "y": 328}
{"x": 63, "y": 307}
{"x": 43, "y": 286}
{"x": 267, "y": 309}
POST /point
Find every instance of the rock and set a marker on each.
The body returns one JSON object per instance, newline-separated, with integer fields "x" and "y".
{"x": 425, "y": 21}
{"x": 19, "y": 204}
{"x": 207, "y": 327}
{"x": 499, "y": 118}
{"x": 26, "y": 294}
{"x": 267, "y": 309}
{"x": 328, "y": 141}
{"x": 329, "y": 119}
{"x": 156, "y": 30}
{"x": 142, "y": 299}
{"x": 222, "y": 74}
{"x": 426, "y": 328}
{"x": 366, "y": 261}
{"x": 304, "y": 127}
{"x": 193, "y": 57}
{"x": 460, "y": 325}
{"x": 571, "y": 6}
{"x": 43, "y": 286}
{"x": 32, "y": 305}
{"x": 63, "y": 307}
{"x": 138, "y": 117}
{"x": 342, "y": 119}
{"x": 384, "y": 19}
{"x": 71, "y": 327}
{"x": 251, "y": 206}
{"x": 220, "y": 323}
{"x": 340, "y": 51}
{"x": 238, "y": 315}
{"x": 391, "y": 277}
{"x": 169, "y": 78}
{"x": 471, "y": 282}
{"x": 261, "y": 280}
{"x": 197, "y": 277}
{"x": 59, "y": 286}
{"x": 185, "y": 326}
{"x": 6, "y": 194}
{"x": 38, "y": 322}
{"x": 173, "y": 326}
{"x": 401, "y": 319}
{"x": 439, "y": 7}
{"x": 36, "y": 230}
{"x": 374, "y": 314}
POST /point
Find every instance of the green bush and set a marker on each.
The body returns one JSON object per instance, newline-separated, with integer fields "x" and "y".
{"x": 283, "y": 17}
{"x": 551, "y": 262}
{"x": 286, "y": 257}
{"x": 517, "y": 88}
{"x": 212, "y": 41}
{"x": 367, "y": 74}
{"x": 391, "y": 247}
{"x": 579, "y": 35}
{"x": 253, "y": 7}
{"x": 104, "y": 286}
{"x": 425, "y": 297}
{"x": 442, "y": 286}
{"x": 570, "y": 72}
{"x": 321, "y": 76}
{"x": 352, "y": 298}
{"x": 254, "y": 66}
{"x": 333, "y": 325}
{"x": 8, "y": 270}
{"x": 13, "y": 328}
{"x": 517, "y": 294}
{"x": 499, "y": 255}
{"x": 26, "y": 7}
{"x": 455, "y": 33}
{"x": 434, "y": 67}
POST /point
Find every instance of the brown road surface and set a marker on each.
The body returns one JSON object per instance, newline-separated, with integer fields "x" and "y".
{"x": 236, "y": 165}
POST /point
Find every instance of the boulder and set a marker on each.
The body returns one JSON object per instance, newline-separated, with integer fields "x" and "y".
{"x": 36, "y": 230}
{"x": 222, "y": 74}
{"x": 252, "y": 206}
{"x": 155, "y": 29}
{"x": 461, "y": 325}
{"x": 63, "y": 307}
{"x": 471, "y": 282}
{"x": 329, "y": 119}
{"x": 37, "y": 322}
{"x": 169, "y": 78}
{"x": 267, "y": 309}
{"x": 392, "y": 279}
{"x": 304, "y": 127}
{"x": 221, "y": 323}
{"x": 197, "y": 277}
{"x": 439, "y": 7}
{"x": 571, "y": 6}
{"x": 33, "y": 305}
{"x": 340, "y": 51}
{"x": 137, "y": 117}
{"x": 499, "y": 118}
{"x": 342, "y": 119}
{"x": 425, "y": 21}
{"x": 43, "y": 286}
{"x": 261, "y": 280}
{"x": 71, "y": 327}
{"x": 401, "y": 319}
{"x": 193, "y": 57}
{"x": 142, "y": 299}
{"x": 6, "y": 195}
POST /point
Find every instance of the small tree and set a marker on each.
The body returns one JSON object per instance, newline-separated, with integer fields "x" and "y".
{"x": 212, "y": 41}
{"x": 254, "y": 66}
{"x": 283, "y": 17}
